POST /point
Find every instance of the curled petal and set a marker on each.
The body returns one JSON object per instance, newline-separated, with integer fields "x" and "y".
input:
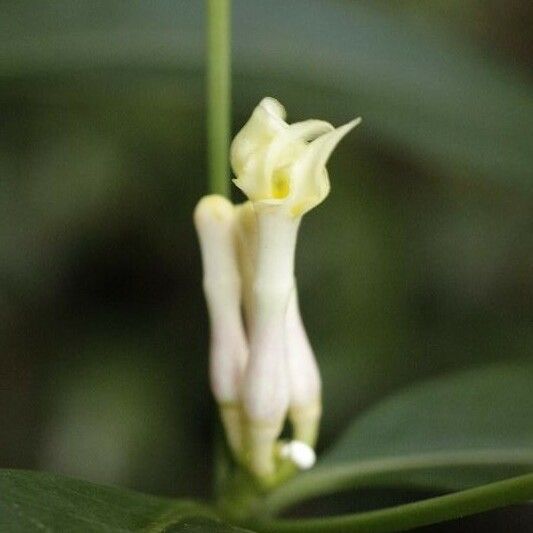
{"x": 273, "y": 107}
{"x": 284, "y": 149}
{"x": 281, "y": 165}
{"x": 310, "y": 179}
{"x": 266, "y": 122}
{"x": 308, "y": 130}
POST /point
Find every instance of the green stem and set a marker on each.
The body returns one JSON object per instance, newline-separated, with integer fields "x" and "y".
{"x": 218, "y": 94}
{"x": 411, "y": 515}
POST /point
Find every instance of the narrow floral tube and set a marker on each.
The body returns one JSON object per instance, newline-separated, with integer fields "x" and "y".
{"x": 303, "y": 373}
{"x": 266, "y": 391}
{"x": 214, "y": 219}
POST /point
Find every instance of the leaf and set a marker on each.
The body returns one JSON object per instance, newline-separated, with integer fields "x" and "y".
{"x": 453, "y": 432}
{"x": 37, "y": 501}
{"x": 425, "y": 91}
{"x": 481, "y": 417}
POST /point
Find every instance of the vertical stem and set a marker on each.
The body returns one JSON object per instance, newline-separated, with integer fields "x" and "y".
{"x": 218, "y": 133}
{"x": 218, "y": 94}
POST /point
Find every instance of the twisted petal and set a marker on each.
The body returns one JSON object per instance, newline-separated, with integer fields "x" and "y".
{"x": 277, "y": 164}
{"x": 266, "y": 121}
{"x": 308, "y": 130}
{"x": 284, "y": 149}
{"x": 310, "y": 182}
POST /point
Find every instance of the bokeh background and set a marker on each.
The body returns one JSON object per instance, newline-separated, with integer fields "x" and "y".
{"x": 420, "y": 261}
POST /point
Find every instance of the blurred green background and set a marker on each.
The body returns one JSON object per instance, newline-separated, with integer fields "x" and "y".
{"x": 420, "y": 261}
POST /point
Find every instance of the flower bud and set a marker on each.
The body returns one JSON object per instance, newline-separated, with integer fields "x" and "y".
{"x": 214, "y": 218}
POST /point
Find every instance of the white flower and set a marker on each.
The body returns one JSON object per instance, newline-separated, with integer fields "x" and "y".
{"x": 266, "y": 371}
{"x": 278, "y": 164}
{"x": 281, "y": 168}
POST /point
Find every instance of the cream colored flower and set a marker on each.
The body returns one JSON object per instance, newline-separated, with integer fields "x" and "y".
{"x": 264, "y": 371}
{"x": 282, "y": 170}
{"x": 280, "y": 164}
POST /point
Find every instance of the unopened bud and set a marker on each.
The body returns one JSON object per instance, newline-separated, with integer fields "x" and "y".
{"x": 214, "y": 218}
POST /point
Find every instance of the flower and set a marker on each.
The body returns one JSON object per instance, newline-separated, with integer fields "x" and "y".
{"x": 281, "y": 168}
{"x": 263, "y": 368}
{"x": 280, "y": 164}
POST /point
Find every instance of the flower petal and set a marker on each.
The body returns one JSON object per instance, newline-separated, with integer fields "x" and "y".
{"x": 310, "y": 179}
{"x": 273, "y": 107}
{"x": 266, "y": 122}
{"x": 308, "y": 130}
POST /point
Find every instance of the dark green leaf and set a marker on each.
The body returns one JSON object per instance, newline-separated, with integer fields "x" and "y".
{"x": 452, "y": 432}
{"x": 36, "y": 501}
{"x": 422, "y": 90}
{"x": 474, "y": 427}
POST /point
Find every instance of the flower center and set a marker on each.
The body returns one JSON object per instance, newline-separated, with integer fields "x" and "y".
{"x": 280, "y": 184}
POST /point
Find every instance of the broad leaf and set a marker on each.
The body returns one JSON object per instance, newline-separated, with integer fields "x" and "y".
{"x": 452, "y": 432}
{"x": 424, "y": 91}
{"x": 477, "y": 425}
{"x": 36, "y": 501}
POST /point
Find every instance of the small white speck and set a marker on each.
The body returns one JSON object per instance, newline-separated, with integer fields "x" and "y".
{"x": 300, "y": 453}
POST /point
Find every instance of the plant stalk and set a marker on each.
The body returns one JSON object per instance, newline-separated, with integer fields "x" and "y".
{"x": 218, "y": 94}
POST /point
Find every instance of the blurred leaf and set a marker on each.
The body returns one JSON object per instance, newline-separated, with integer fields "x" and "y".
{"x": 425, "y": 91}
{"x": 474, "y": 427}
{"x": 35, "y": 501}
{"x": 111, "y": 413}
{"x": 453, "y": 432}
